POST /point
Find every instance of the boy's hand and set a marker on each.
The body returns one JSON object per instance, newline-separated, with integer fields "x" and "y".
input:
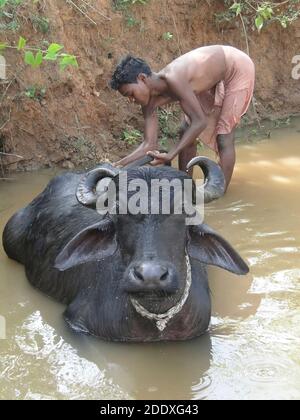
{"x": 159, "y": 158}
{"x": 140, "y": 152}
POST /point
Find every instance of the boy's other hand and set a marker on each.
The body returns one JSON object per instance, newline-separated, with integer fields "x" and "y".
{"x": 159, "y": 158}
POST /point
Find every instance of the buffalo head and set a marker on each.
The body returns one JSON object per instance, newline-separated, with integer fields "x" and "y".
{"x": 156, "y": 262}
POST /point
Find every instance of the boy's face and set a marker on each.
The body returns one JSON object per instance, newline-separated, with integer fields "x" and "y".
{"x": 136, "y": 92}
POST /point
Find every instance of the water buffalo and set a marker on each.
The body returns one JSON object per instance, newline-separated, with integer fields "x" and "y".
{"x": 124, "y": 277}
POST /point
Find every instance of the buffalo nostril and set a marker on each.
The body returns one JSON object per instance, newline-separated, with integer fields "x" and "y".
{"x": 165, "y": 276}
{"x": 149, "y": 273}
{"x": 138, "y": 275}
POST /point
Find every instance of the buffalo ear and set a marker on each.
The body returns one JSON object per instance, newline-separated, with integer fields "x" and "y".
{"x": 210, "y": 248}
{"x": 93, "y": 243}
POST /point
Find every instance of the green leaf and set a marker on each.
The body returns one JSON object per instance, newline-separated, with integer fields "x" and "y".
{"x": 265, "y": 11}
{"x": 284, "y": 24}
{"x": 68, "y": 60}
{"x": 30, "y": 92}
{"x": 54, "y": 48}
{"x": 3, "y": 3}
{"x": 237, "y": 8}
{"x": 167, "y": 36}
{"x": 21, "y": 43}
{"x": 50, "y": 56}
{"x": 270, "y": 11}
{"x": 52, "y": 52}
{"x": 38, "y": 59}
{"x": 29, "y": 58}
{"x": 34, "y": 61}
{"x": 259, "y": 22}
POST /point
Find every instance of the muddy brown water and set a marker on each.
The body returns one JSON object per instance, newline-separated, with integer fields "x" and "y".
{"x": 252, "y": 348}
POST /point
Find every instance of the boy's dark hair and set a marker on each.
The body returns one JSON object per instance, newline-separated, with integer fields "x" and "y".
{"x": 128, "y": 70}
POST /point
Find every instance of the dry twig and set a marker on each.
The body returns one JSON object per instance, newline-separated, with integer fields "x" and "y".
{"x": 81, "y": 11}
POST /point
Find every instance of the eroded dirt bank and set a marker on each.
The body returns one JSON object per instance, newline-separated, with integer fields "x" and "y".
{"x": 74, "y": 118}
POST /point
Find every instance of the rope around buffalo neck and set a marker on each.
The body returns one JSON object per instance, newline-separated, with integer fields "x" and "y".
{"x": 163, "y": 319}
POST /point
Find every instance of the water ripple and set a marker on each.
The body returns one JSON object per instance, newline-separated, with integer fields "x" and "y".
{"x": 65, "y": 375}
{"x": 265, "y": 371}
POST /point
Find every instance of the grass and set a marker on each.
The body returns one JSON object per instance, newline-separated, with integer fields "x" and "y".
{"x": 169, "y": 125}
{"x": 125, "y": 4}
{"x": 131, "y": 136}
{"x": 14, "y": 13}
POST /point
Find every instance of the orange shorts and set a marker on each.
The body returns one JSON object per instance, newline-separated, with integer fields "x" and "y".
{"x": 225, "y": 104}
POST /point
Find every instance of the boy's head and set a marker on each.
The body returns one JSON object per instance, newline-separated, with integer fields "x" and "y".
{"x": 130, "y": 79}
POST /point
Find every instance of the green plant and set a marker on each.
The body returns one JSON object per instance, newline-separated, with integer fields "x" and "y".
{"x": 124, "y": 4}
{"x": 258, "y": 14}
{"x": 284, "y": 122}
{"x": 9, "y": 15}
{"x": 40, "y": 23}
{"x": 131, "y": 21}
{"x": 14, "y": 12}
{"x": 131, "y": 136}
{"x": 35, "y": 92}
{"x": 36, "y": 56}
{"x": 168, "y": 124}
{"x": 167, "y": 36}
{"x": 30, "y": 92}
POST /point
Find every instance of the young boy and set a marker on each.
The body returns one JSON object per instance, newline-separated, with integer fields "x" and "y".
{"x": 214, "y": 87}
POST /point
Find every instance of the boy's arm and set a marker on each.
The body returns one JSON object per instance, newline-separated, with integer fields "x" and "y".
{"x": 192, "y": 108}
{"x": 150, "y": 137}
{"x": 150, "y": 131}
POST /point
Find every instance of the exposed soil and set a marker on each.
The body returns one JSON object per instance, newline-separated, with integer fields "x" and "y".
{"x": 79, "y": 120}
